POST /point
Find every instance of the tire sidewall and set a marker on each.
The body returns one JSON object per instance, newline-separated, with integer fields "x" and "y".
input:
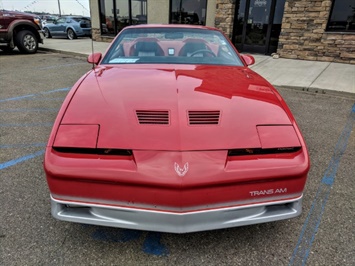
{"x": 22, "y": 46}
{"x": 47, "y": 33}
{"x": 73, "y": 34}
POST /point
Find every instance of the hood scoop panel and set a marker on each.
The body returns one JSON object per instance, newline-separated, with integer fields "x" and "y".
{"x": 153, "y": 117}
{"x": 203, "y": 118}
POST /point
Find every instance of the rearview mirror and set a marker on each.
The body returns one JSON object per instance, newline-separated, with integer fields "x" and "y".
{"x": 248, "y": 59}
{"x": 94, "y": 58}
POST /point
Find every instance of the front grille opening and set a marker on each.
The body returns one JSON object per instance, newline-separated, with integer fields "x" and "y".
{"x": 204, "y": 117}
{"x": 153, "y": 117}
{"x": 120, "y": 152}
{"x": 259, "y": 151}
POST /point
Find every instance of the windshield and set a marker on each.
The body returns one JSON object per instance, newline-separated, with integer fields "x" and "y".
{"x": 171, "y": 46}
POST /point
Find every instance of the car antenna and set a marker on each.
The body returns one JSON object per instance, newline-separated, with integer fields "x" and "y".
{"x": 92, "y": 41}
{"x": 92, "y": 49}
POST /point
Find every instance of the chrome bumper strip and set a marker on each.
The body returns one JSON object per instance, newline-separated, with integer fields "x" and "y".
{"x": 173, "y": 222}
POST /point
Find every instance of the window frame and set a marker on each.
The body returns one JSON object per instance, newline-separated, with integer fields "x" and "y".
{"x": 116, "y": 31}
{"x": 170, "y": 13}
{"x": 332, "y": 30}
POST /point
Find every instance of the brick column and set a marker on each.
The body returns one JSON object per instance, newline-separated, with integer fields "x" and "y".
{"x": 225, "y": 16}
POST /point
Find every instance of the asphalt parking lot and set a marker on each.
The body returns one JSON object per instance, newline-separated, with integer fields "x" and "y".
{"x": 32, "y": 88}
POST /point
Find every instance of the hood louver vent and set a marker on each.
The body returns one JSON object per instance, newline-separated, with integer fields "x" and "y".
{"x": 153, "y": 117}
{"x": 204, "y": 117}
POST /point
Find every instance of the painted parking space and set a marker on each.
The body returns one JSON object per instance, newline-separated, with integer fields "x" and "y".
{"x": 30, "y": 236}
{"x": 315, "y": 214}
{"x": 151, "y": 245}
{"x": 37, "y": 125}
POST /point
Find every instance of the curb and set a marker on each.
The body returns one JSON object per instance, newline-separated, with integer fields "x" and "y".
{"x": 63, "y": 52}
{"x": 318, "y": 91}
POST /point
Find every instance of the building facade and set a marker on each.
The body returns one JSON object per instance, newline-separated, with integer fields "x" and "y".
{"x": 322, "y": 30}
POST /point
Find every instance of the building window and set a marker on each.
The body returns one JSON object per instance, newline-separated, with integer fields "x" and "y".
{"x": 117, "y": 14}
{"x": 342, "y": 16}
{"x": 188, "y": 12}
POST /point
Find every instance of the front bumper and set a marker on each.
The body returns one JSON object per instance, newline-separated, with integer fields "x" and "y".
{"x": 174, "y": 222}
{"x": 41, "y": 36}
{"x": 83, "y": 32}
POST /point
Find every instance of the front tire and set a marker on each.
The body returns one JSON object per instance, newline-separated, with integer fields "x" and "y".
{"x": 71, "y": 34}
{"x": 47, "y": 34}
{"x": 26, "y": 42}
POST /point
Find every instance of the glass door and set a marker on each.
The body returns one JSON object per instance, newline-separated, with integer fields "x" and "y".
{"x": 276, "y": 25}
{"x": 257, "y": 26}
{"x": 254, "y": 25}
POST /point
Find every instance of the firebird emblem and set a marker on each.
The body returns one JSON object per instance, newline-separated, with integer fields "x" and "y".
{"x": 181, "y": 171}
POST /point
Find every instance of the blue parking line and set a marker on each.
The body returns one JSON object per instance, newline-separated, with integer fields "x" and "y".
{"x": 116, "y": 235}
{"x": 18, "y": 98}
{"x": 21, "y": 159}
{"x": 15, "y": 110}
{"x": 27, "y": 125}
{"x": 55, "y": 66}
{"x": 314, "y": 217}
{"x": 33, "y": 95}
{"x": 7, "y": 146}
{"x": 56, "y": 90}
{"x": 152, "y": 245}
{"x": 42, "y": 99}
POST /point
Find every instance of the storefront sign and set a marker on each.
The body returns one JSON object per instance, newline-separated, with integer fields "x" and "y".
{"x": 260, "y": 3}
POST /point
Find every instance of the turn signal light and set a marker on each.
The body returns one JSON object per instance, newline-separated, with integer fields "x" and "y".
{"x": 37, "y": 21}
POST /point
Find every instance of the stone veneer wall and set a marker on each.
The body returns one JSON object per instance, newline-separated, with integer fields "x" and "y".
{"x": 303, "y": 34}
{"x": 96, "y": 36}
{"x": 225, "y": 16}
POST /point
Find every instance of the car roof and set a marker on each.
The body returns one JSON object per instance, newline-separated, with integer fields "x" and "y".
{"x": 73, "y": 17}
{"x": 182, "y": 26}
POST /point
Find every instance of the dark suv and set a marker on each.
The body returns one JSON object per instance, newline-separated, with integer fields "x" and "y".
{"x": 20, "y": 29}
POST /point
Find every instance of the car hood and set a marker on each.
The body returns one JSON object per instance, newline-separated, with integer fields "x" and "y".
{"x": 20, "y": 14}
{"x": 179, "y": 107}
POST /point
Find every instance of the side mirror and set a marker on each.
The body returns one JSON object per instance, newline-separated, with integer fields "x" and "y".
{"x": 248, "y": 59}
{"x": 94, "y": 58}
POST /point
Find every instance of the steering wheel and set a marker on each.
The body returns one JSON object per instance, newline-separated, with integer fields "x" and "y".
{"x": 202, "y": 51}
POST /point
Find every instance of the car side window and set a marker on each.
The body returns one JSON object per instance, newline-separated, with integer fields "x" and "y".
{"x": 61, "y": 20}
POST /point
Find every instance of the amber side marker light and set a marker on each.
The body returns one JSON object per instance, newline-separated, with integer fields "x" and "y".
{"x": 37, "y": 21}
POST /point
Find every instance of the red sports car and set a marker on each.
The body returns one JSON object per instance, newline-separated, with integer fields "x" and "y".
{"x": 172, "y": 132}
